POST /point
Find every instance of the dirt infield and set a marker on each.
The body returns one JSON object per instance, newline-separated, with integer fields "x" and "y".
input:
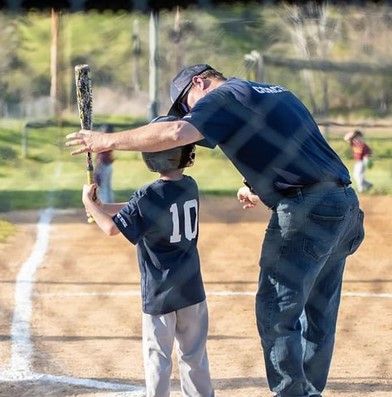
{"x": 71, "y": 322}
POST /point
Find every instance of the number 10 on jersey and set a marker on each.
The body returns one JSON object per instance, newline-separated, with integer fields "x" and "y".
{"x": 190, "y": 229}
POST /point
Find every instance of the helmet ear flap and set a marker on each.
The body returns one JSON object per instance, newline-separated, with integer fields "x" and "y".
{"x": 188, "y": 155}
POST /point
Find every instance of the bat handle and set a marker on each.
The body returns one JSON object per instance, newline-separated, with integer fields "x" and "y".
{"x": 90, "y": 181}
{"x": 90, "y": 219}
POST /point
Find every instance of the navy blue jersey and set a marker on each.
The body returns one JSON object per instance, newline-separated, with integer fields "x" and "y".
{"x": 269, "y": 135}
{"x": 162, "y": 219}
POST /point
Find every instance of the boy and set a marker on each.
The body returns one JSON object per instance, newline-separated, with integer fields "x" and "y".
{"x": 361, "y": 154}
{"x": 162, "y": 220}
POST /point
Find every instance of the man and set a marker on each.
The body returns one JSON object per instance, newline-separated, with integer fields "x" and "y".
{"x": 316, "y": 222}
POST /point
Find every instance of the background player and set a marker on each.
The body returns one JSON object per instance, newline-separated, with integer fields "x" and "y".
{"x": 162, "y": 220}
{"x": 361, "y": 154}
{"x": 103, "y": 171}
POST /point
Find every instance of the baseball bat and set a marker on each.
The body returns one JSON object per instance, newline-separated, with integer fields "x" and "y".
{"x": 85, "y": 106}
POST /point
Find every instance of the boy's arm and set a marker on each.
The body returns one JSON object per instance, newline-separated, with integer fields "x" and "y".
{"x": 102, "y": 218}
{"x": 113, "y": 208}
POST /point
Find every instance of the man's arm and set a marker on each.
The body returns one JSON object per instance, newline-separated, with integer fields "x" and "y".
{"x": 148, "y": 138}
{"x": 247, "y": 198}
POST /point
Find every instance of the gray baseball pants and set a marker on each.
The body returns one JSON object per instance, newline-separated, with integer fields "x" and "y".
{"x": 189, "y": 328}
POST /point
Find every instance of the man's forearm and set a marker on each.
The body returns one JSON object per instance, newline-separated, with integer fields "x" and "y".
{"x": 149, "y": 138}
{"x": 154, "y": 137}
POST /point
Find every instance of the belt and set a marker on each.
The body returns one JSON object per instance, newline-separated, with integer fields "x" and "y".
{"x": 314, "y": 187}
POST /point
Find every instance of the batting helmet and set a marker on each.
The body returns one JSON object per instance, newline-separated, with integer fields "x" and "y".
{"x": 170, "y": 159}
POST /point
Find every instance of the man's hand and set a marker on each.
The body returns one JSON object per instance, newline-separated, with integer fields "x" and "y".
{"x": 248, "y": 199}
{"x": 90, "y": 141}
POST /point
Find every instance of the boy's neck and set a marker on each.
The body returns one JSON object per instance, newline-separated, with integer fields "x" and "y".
{"x": 171, "y": 175}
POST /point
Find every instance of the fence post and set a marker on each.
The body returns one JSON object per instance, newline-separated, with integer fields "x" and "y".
{"x": 24, "y": 140}
{"x": 254, "y": 66}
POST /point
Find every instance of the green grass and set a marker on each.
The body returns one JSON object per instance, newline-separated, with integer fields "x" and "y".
{"x": 7, "y": 229}
{"x": 58, "y": 183}
{"x": 50, "y": 176}
{"x": 380, "y": 175}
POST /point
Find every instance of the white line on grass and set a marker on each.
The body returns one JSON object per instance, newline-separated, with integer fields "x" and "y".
{"x": 21, "y": 345}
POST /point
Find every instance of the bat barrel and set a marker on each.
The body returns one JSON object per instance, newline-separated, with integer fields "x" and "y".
{"x": 85, "y": 106}
{"x": 84, "y": 95}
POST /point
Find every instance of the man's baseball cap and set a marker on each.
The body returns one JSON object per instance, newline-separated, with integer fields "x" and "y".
{"x": 181, "y": 84}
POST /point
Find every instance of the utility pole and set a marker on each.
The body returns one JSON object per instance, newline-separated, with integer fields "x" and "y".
{"x": 153, "y": 63}
{"x": 54, "y": 59}
{"x": 136, "y": 50}
{"x": 177, "y": 40}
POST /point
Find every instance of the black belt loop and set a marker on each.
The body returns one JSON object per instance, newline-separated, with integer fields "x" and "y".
{"x": 299, "y": 191}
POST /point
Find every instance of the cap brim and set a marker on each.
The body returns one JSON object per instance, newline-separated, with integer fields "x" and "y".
{"x": 176, "y": 111}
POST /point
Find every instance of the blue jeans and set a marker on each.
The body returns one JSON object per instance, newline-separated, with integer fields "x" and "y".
{"x": 306, "y": 244}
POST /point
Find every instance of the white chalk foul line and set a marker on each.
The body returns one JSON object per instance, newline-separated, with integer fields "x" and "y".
{"x": 136, "y": 293}
{"x": 125, "y": 389}
{"x": 120, "y": 389}
{"x": 20, "y": 368}
{"x": 367, "y": 295}
{"x": 84, "y": 294}
{"x": 21, "y": 350}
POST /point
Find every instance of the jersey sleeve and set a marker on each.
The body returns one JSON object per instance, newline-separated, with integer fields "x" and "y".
{"x": 129, "y": 220}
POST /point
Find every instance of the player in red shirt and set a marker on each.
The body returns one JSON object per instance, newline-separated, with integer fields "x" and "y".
{"x": 361, "y": 154}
